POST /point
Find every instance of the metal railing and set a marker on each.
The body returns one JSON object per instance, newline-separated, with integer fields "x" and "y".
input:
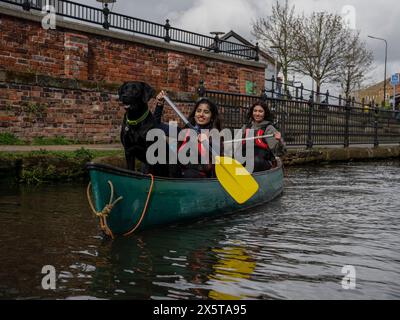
{"x": 276, "y": 89}
{"x": 310, "y": 123}
{"x": 166, "y": 32}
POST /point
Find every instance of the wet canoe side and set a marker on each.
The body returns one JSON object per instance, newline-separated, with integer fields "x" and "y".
{"x": 172, "y": 200}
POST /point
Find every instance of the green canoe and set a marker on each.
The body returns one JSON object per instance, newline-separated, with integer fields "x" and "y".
{"x": 168, "y": 200}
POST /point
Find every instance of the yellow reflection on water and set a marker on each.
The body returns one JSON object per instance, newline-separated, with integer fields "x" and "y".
{"x": 234, "y": 264}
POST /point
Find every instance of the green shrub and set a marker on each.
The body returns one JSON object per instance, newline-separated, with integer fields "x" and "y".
{"x": 7, "y": 138}
{"x": 83, "y": 154}
{"x": 43, "y": 141}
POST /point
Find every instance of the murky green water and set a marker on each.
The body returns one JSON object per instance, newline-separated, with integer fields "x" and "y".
{"x": 293, "y": 248}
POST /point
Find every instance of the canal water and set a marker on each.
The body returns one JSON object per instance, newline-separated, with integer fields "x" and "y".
{"x": 333, "y": 234}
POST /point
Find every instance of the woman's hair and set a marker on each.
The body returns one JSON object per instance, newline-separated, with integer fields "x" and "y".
{"x": 215, "y": 121}
{"x": 267, "y": 113}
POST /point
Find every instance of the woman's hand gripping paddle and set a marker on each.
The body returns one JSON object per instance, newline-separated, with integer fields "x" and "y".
{"x": 233, "y": 177}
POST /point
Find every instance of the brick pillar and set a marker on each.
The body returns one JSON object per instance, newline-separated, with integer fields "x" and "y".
{"x": 76, "y": 56}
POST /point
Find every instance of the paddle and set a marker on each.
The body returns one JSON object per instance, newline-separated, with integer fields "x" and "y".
{"x": 234, "y": 178}
{"x": 251, "y": 138}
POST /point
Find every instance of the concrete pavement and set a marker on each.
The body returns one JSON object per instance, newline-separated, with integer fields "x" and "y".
{"x": 69, "y": 147}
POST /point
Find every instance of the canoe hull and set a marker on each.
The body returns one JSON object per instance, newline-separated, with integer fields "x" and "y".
{"x": 171, "y": 200}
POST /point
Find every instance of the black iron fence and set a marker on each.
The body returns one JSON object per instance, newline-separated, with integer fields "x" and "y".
{"x": 291, "y": 91}
{"x": 311, "y": 123}
{"x": 166, "y": 32}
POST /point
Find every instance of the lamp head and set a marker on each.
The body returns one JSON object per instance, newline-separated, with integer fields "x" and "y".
{"x": 217, "y": 33}
{"x": 106, "y": 2}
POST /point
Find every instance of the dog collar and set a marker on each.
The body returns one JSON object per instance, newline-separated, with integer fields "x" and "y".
{"x": 137, "y": 121}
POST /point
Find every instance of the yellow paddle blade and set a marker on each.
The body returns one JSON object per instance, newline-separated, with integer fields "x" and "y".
{"x": 235, "y": 179}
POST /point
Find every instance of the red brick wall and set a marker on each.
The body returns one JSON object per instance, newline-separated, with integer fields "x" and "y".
{"x": 82, "y": 111}
{"x": 26, "y": 47}
{"x": 29, "y": 111}
{"x": 74, "y": 114}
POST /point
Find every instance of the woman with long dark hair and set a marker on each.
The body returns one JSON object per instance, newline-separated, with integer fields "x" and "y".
{"x": 260, "y": 120}
{"x": 204, "y": 117}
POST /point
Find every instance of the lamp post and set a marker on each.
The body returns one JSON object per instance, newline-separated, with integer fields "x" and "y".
{"x": 384, "y": 82}
{"x": 276, "y": 66}
{"x": 349, "y": 66}
{"x": 26, "y": 5}
{"x": 216, "y": 35}
{"x": 297, "y": 88}
{"x": 312, "y": 79}
{"x": 106, "y": 11}
{"x": 276, "y": 60}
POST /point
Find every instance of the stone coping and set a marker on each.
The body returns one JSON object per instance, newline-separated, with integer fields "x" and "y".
{"x": 359, "y": 153}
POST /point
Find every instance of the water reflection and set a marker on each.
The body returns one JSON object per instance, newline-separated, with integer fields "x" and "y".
{"x": 234, "y": 264}
{"x": 161, "y": 263}
{"x": 185, "y": 262}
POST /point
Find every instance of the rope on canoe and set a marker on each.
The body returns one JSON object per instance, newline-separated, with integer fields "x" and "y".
{"x": 144, "y": 209}
{"x": 102, "y": 215}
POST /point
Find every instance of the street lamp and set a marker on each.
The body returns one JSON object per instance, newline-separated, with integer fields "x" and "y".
{"x": 216, "y": 35}
{"x": 384, "y": 82}
{"x": 301, "y": 87}
{"x": 349, "y": 66}
{"x": 276, "y": 60}
{"x": 276, "y": 66}
{"x": 26, "y": 5}
{"x": 106, "y": 11}
{"x": 312, "y": 79}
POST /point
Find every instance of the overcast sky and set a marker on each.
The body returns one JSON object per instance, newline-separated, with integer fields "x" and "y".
{"x": 377, "y": 18}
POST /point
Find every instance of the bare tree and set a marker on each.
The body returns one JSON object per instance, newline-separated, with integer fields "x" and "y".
{"x": 321, "y": 43}
{"x": 357, "y": 62}
{"x": 275, "y": 35}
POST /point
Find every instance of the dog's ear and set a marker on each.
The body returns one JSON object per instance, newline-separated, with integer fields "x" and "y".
{"x": 120, "y": 88}
{"x": 148, "y": 92}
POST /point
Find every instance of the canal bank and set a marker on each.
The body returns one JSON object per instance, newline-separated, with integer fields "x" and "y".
{"x": 35, "y": 164}
{"x": 319, "y": 155}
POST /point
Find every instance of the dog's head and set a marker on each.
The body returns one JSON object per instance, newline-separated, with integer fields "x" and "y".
{"x": 135, "y": 93}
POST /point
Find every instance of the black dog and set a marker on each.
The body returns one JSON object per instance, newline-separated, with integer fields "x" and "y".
{"x": 138, "y": 120}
